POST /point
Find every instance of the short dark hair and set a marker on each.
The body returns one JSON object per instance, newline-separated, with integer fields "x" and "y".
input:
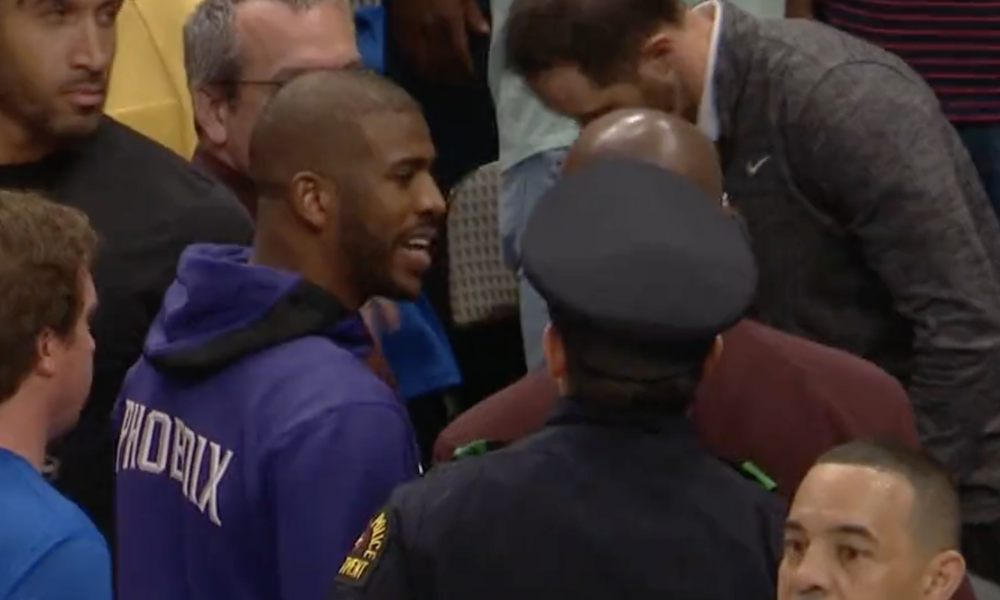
{"x": 593, "y": 382}
{"x": 44, "y": 249}
{"x": 936, "y": 512}
{"x": 314, "y": 114}
{"x": 601, "y": 37}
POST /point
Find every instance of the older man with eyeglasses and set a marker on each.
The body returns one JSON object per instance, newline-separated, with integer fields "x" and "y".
{"x": 236, "y": 54}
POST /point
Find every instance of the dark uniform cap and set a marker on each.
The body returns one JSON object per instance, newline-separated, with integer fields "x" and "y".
{"x": 641, "y": 254}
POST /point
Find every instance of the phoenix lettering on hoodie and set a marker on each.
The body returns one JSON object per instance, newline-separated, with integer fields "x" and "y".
{"x": 158, "y": 444}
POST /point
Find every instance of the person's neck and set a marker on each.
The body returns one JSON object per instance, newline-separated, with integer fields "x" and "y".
{"x": 23, "y": 429}
{"x": 272, "y": 248}
{"x": 228, "y": 175}
{"x": 19, "y": 146}
{"x": 220, "y": 165}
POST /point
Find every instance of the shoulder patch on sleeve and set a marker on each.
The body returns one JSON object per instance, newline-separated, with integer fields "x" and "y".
{"x": 757, "y": 475}
{"x": 477, "y": 448}
{"x": 364, "y": 557}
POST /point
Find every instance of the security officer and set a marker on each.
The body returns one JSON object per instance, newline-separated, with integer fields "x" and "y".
{"x": 613, "y": 498}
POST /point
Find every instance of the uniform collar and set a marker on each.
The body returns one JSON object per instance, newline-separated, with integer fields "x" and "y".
{"x": 572, "y": 412}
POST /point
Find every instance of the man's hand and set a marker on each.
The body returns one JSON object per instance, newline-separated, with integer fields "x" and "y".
{"x": 434, "y": 36}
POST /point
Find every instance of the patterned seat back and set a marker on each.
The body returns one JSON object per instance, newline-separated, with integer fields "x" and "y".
{"x": 480, "y": 286}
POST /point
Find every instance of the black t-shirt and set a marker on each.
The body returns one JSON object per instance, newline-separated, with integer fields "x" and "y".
{"x": 147, "y": 204}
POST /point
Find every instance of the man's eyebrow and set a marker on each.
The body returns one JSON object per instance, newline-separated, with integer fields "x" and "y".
{"x": 414, "y": 162}
{"x": 38, "y": 3}
{"x": 854, "y": 529}
{"x": 793, "y": 525}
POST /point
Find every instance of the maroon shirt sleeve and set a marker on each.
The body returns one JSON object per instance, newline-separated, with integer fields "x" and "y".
{"x": 775, "y": 399}
{"x": 781, "y": 401}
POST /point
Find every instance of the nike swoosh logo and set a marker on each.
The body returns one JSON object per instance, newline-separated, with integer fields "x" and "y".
{"x": 753, "y": 167}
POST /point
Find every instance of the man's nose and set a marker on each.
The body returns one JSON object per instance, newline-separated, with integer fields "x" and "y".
{"x": 94, "y": 49}
{"x": 807, "y": 579}
{"x": 431, "y": 200}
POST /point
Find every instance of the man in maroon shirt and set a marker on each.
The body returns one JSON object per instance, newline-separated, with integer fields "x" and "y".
{"x": 776, "y": 400}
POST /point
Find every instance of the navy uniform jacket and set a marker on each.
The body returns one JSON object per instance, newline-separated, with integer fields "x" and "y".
{"x": 595, "y": 505}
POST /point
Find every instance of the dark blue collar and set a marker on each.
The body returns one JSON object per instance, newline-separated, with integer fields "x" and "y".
{"x": 571, "y": 412}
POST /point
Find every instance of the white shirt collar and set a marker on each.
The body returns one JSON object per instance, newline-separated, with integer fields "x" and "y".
{"x": 708, "y": 116}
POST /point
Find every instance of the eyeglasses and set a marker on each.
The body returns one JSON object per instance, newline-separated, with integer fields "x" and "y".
{"x": 284, "y": 76}
{"x": 275, "y": 82}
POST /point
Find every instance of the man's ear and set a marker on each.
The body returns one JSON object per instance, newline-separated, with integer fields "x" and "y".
{"x": 48, "y": 347}
{"x": 655, "y": 57}
{"x": 555, "y": 356}
{"x": 314, "y": 199}
{"x": 211, "y": 113}
{"x": 943, "y": 576}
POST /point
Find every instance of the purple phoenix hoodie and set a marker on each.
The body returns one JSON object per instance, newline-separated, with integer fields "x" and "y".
{"x": 254, "y": 443}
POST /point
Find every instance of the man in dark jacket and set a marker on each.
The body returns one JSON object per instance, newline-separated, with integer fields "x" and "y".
{"x": 145, "y": 202}
{"x": 868, "y": 219}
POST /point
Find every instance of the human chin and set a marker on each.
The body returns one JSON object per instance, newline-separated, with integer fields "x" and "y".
{"x": 75, "y": 123}
{"x": 406, "y": 275}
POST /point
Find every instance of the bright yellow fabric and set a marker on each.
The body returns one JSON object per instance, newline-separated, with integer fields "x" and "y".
{"x": 148, "y": 90}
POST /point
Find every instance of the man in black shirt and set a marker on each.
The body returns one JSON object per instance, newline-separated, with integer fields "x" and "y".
{"x": 146, "y": 203}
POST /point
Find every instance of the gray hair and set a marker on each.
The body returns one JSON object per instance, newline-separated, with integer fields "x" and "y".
{"x": 211, "y": 48}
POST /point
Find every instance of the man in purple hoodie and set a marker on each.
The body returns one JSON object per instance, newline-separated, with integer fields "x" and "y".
{"x": 254, "y": 443}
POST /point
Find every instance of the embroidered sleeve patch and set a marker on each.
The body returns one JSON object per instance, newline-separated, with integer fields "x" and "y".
{"x": 757, "y": 474}
{"x": 366, "y": 553}
{"x": 477, "y": 448}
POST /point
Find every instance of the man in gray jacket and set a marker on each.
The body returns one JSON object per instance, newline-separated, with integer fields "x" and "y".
{"x": 871, "y": 228}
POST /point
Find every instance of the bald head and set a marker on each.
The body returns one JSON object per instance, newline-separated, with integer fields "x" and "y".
{"x": 314, "y": 123}
{"x": 651, "y": 136}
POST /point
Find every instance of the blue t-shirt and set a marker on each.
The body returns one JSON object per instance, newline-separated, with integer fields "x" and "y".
{"x": 49, "y": 549}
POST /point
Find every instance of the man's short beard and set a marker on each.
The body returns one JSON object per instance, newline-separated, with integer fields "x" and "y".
{"x": 369, "y": 256}
{"x": 40, "y": 125}
{"x": 24, "y": 106}
{"x": 370, "y": 266}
